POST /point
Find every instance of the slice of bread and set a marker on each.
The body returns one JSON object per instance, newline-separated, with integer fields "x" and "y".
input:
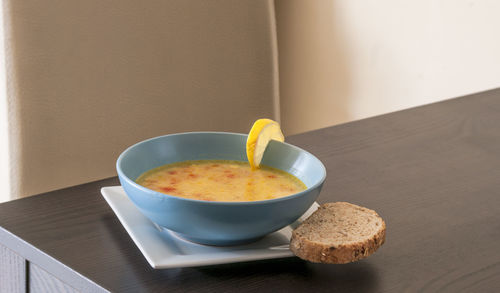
{"x": 338, "y": 233}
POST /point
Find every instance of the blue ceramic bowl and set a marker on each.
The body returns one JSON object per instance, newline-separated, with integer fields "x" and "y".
{"x": 218, "y": 223}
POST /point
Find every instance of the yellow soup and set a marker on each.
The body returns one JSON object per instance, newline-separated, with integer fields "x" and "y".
{"x": 220, "y": 180}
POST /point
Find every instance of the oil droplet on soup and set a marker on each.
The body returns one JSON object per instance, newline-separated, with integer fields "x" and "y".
{"x": 220, "y": 180}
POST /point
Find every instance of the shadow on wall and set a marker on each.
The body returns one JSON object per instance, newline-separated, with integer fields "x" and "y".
{"x": 314, "y": 76}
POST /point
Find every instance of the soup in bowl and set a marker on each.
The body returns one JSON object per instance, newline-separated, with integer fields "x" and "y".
{"x": 206, "y": 219}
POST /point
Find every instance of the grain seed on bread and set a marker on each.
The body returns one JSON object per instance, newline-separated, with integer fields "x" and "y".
{"x": 338, "y": 233}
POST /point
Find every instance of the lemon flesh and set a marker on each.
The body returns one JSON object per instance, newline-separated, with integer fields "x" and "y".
{"x": 263, "y": 130}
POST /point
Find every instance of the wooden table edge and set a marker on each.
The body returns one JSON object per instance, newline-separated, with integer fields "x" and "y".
{"x": 33, "y": 255}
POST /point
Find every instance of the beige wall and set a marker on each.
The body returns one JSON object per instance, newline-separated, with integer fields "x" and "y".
{"x": 89, "y": 78}
{"x": 343, "y": 60}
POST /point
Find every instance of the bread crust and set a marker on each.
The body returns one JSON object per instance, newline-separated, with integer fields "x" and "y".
{"x": 319, "y": 252}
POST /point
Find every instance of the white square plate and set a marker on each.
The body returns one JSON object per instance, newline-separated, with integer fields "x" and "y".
{"x": 163, "y": 249}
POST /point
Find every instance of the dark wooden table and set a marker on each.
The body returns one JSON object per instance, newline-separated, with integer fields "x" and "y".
{"x": 432, "y": 172}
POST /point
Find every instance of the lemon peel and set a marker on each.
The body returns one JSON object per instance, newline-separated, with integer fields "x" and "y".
{"x": 263, "y": 131}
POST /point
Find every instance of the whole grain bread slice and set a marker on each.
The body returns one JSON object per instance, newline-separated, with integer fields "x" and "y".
{"x": 338, "y": 233}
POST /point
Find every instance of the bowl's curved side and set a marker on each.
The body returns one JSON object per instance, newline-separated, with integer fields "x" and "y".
{"x": 218, "y": 223}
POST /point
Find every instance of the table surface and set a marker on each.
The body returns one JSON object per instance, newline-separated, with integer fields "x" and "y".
{"x": 432, "y": 172}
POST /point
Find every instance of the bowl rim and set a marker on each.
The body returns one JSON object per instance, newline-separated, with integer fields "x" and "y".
{"x": 218, "y": 203}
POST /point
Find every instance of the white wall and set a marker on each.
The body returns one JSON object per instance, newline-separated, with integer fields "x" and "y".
{"x": 342, "y": 60}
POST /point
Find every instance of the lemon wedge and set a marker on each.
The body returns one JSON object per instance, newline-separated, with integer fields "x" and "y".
{"x": 263, "y": 130}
